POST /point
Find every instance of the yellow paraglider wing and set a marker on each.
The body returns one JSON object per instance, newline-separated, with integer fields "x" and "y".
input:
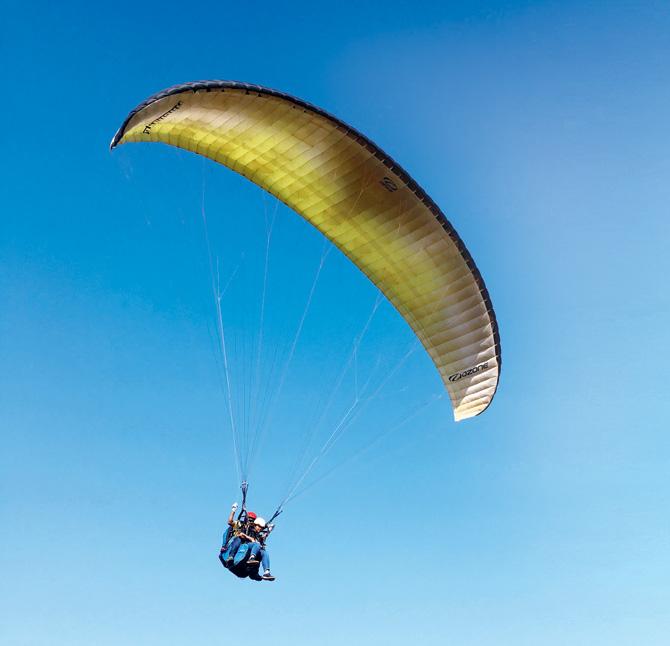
{"x": 359, "y": 198}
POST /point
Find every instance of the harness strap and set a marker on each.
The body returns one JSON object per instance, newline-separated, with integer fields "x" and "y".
{"x": 243, "y": 510}
{"x": 279, "y": 511}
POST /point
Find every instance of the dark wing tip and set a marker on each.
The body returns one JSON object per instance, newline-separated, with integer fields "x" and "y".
{"x": 116, "y": 138}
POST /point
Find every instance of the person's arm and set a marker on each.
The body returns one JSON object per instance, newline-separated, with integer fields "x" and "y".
{"x": 246, "y": 537}
{"x": 231, "y": 518}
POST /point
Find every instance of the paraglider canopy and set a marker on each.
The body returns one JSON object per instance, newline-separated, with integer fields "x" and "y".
{"x": 359, "y": 198}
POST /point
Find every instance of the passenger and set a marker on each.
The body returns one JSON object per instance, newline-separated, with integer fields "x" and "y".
{"x": 238, "y": 529}
{"x": 257, "y": 535}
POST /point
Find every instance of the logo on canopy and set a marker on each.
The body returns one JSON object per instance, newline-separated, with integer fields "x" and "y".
{"x": 470, "y": 371}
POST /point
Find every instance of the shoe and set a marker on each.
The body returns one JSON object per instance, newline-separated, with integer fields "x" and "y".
{"x": 267, "y": 576}
{"x": 253, "y": 561}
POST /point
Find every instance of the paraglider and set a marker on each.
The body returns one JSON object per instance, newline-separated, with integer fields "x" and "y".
{"x": 243, "y": 547}
{"x": 363, "y": 202}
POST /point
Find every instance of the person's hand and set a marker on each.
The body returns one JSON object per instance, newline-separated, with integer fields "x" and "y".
{"x": 234, "y": 508}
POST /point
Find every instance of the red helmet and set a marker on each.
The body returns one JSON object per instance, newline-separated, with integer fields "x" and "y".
{"x": 251, "y": 515}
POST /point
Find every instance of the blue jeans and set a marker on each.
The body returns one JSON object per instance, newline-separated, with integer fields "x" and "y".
{"x": 228, "y": 552}
{"x": 265, "y": 557}
{"x": 233, "y": 547}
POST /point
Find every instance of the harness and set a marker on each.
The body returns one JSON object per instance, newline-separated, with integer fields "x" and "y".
{"x": 243, "y": 516}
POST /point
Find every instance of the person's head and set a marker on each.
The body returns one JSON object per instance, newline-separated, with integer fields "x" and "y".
{"x": 260, "y": 523}
{"x": 251, "y": 516}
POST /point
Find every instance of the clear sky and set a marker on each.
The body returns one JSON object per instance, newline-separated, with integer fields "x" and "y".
{"x": 541, "y": 128}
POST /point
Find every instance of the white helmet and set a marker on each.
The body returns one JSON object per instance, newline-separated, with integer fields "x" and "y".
{"x": 260, "y": 522}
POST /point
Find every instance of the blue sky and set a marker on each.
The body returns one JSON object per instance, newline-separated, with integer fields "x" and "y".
{"x": 540, "y": 128}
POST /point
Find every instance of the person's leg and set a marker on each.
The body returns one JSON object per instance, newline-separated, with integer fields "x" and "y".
{"x": 253, "y": 553}
{"x": 232, "y": 548}
{"x": 241, "y": 554}
{"x": 265, "y": 562}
